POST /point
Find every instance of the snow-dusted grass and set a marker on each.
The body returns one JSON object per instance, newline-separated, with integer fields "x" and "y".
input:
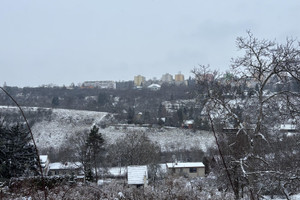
{"x": 169, "y": 138}
{"x": 57, "y": 128}
{"x": 64, "y": 123}
{"x": 292, "y": 197}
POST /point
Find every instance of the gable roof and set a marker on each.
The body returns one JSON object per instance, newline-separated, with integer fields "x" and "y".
{"x": 136, "y": 174}
{"x": 185, "y": 165}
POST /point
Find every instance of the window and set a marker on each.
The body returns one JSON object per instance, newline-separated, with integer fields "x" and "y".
{"x": 193, "y": 170}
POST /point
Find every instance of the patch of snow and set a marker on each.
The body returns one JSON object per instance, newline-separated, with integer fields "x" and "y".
{"x": 117, "y": 171}
{"x": 185, "y": 164}
{"x": 67, "y": 165}
{"x": 64, "y": 123}
{"x": 169, "y": 138}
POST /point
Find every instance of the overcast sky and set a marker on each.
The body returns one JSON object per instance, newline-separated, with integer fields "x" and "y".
{"x": 72, "y": 41}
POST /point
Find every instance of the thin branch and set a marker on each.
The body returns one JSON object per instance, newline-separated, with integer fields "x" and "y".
{"x": 220, "y": 152}
{"x": 32, "y": 138}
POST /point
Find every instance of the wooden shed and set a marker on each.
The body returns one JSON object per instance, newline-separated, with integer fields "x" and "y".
{"x": 137, "y": 175}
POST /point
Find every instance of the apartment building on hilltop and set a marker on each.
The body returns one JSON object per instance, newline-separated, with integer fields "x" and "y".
{"x": 139, "y": 80}
{"x": 99, "y": 84}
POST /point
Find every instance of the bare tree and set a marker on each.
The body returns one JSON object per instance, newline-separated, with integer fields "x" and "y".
{"x": 254, "y": 116}
{"x": 134, "y": 149}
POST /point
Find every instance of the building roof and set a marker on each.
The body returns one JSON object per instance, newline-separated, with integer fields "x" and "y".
{"x": 67, "y": 165}
{"x": 117, "y": 171}
{"x": 185, "y": 165}
{"x": 287, "y": 127}
{"x": 136, "y": 174}
{"x": 43, "y": 158}
{"x": 188, "y": 122}
{"x": 154, "y": 85}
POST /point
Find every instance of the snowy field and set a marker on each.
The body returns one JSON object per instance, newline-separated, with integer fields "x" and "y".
{"x": 169, "y": 138}
{"x": 64, "y": 123}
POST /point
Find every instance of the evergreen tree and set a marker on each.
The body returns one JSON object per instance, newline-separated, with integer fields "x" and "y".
{"x": 130, "y": 115}
{"x": 95, "y": 144}
{"x": 55, "y": 101}
{"x": 17, "y": 155}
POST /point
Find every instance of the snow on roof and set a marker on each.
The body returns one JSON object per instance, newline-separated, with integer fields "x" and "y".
{"x": 43, "y": 158}
{"x": 185, "y": 165}
{"x": 136, "y": 174}
{"x": 287, "y": 127}
{"x": 117, "y": 171}
{"x": 154, "y": 86}
{"x": 67, "y": 165}
{"x": 187, "y": 122}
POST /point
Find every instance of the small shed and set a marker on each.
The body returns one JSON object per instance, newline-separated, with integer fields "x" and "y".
{"x": 190, "y": 169}
{"x": 288, "y": 128}
{"x": 137, "y": 175}
{"x": 44, "y": 161}
{"x": 67, "y": 168}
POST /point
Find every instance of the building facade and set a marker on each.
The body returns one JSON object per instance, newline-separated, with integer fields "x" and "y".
{"x": 179, "y": 77}
{"x": 167, "y": 78}
{"x": 189, "y": 169}
{"x": 99, "y": 84}
{"x": 139, "y": 80}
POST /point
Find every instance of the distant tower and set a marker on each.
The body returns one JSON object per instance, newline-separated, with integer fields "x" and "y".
{"x": 179, "y": 77}
{"x": 139, "y": 80}
{"x": 167, "y": 78}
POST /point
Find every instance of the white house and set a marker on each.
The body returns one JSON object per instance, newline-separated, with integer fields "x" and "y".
{"x": 137, "y": 175}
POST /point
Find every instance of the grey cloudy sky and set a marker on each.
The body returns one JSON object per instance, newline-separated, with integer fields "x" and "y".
{"x": 65, "y": 41}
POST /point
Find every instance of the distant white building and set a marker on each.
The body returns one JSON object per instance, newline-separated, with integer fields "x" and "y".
{"x": 99, "y": 84}
{"x": 168, "y": 78}
{"x": 137, "y": 175}
{"x": 154, "y": 87}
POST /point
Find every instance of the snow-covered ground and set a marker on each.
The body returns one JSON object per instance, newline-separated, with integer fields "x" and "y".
{"x": 292, "y": 197}
{"x": 55, "y": 130}
{"x": 64, "y": 123}
{"x": 169, "y": 138}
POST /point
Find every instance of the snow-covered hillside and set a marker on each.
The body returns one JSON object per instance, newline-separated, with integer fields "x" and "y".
{"x": 63, "y": 124}
{"x": 169, "y": 138}
{"x": 55, "y": 130}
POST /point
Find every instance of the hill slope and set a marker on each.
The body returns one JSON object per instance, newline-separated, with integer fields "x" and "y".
{"x": 54, "y": 128}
